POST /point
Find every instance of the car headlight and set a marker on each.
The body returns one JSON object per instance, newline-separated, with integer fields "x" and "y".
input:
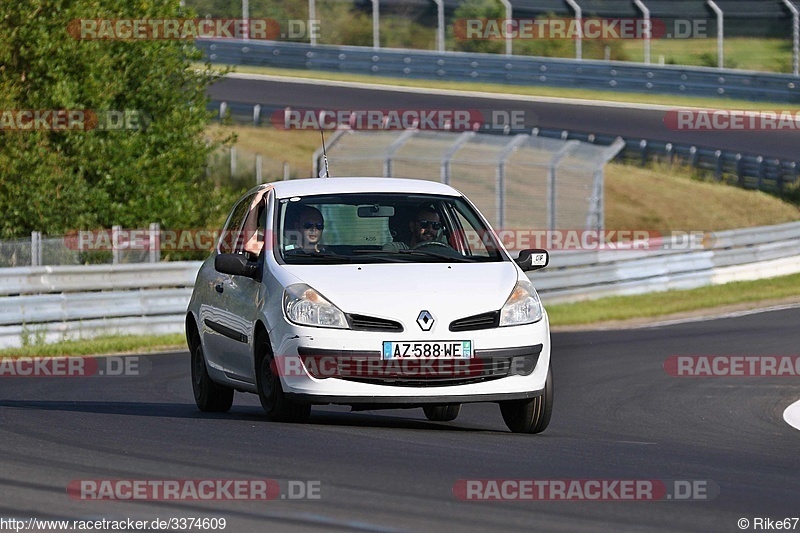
{"x": 522, "y": 307}
{"x": 307, "y": 307}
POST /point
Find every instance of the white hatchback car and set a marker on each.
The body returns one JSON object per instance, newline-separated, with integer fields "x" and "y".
{"x": 375, "y": 293}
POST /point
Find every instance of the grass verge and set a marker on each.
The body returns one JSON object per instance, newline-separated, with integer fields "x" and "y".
{"x": 105, "y": 345}
{"x": 660, "y": 304}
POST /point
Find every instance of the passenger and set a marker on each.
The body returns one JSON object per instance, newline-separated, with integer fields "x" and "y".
{"x": 306, "y": 225}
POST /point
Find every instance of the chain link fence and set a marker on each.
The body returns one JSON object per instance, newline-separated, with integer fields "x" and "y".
{"x": 517, "y": 181}
{"x": 115, "y": 246}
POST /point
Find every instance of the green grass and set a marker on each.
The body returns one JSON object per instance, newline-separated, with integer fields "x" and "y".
{"x": 660, "y": 304}
{"x": 106, "y": 345}
{"x": 532, "y": 91}
{"x": 768, "y": 55}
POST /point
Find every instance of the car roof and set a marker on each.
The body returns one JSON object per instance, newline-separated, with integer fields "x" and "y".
{"x": 314, "y": 186}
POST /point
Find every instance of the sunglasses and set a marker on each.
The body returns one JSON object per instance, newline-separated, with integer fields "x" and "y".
{"x": 425, "y": 224}
{"x": 319, "y": 225}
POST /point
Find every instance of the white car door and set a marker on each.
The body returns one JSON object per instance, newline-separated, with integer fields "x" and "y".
{"x": 222, "y": 329}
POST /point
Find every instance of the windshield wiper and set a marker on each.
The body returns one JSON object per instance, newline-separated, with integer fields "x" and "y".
{"x": 303, "y": 255}
{"x": 419, "y": 253}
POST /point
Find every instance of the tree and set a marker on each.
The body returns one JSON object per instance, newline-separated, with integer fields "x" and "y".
{"x": 57, "y": 181}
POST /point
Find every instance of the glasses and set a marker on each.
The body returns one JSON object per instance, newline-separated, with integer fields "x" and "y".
{"x": 319, "y": 225}
{"x": 425, "y": 224}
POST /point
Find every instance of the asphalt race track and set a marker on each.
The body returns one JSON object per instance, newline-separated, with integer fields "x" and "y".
{"x": 617, "y": 416}
{"x": 618, "y": 120}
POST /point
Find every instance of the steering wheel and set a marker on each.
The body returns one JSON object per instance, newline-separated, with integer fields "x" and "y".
{"x": 428, "y": 243}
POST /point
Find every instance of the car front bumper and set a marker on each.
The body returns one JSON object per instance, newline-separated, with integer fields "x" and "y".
{"x": 508, "y": 363}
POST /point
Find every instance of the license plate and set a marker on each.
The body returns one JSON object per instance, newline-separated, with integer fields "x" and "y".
{"x": 427, "y": 350}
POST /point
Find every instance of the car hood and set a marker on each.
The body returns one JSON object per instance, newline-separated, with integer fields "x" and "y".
{"x": 401, "y": 292}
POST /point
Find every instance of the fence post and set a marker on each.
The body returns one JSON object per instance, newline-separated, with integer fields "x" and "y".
{"x": 643, "y": 150}
{"x": 718, "y": 171}
{"x": 155, "y": 242}
{"x": 116, "y": 253}
{"x": 286, "y": 171}
{"x": 233, "y": 161}
{"x": 312, "y": 16}
{"x": 36, "y": 248}
{"x": 720, "y": 32}
{"x": 376, "y": 26}
{"x": 551, "y": 183}
{"x": 739, "y": 170}
{"x": 256, "y": 114}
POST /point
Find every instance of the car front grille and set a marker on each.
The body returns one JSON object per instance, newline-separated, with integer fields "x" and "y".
{"x": 487, "y": 365}
{"x": 371, "y": 323}
{"x": 472, "y": 323}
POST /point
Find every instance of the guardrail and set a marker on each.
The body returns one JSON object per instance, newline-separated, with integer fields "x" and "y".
{"x": 52, "y": 303}
{"x": 46, "y": 304}
{"x": 513, "y": 70}
{"x": 713, "y": 259}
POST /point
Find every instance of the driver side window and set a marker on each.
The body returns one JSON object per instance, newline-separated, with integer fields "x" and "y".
{"x": 231, "y": 234}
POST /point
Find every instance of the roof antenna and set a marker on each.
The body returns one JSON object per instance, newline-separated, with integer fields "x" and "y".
{"x": 324, "y": 172}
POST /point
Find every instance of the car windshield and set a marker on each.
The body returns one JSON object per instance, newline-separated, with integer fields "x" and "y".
{"x": 383, "y": 228}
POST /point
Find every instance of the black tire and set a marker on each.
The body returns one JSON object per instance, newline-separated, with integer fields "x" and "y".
{"x": 442, "y": 413}
{"x": 530, "y": 416}
{"x": 277, "y": 407}
{"x": 209, "y": 396}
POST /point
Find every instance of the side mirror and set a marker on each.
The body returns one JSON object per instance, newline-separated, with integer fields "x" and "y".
{"x": 532, "y": 259}
{"x": 235, "y": 265}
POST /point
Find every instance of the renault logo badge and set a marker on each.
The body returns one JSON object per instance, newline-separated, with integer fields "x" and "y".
{"x": 425, "y": 320}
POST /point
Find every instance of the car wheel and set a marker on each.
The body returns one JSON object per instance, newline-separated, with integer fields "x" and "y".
{"x": 530, "y": 416}
{"x": 208, "y": 396}
{"x": 442, "y": 413}
{"x": 270, "y": 392}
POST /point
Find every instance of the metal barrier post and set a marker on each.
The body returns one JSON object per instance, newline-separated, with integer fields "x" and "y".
{"x": 376, "y": 27}
{"x": 551, "y": 181}
{"x": 154, "y": 242}
{"x": 509, "y": 12}
{"x": 500, "y": 175}
{"x": 439, "y": 25}
{"x": 312, "y": 16}
{"x": 115, "y": 246}
{"x": 444, "y": 168}
{"x": 795, "y": 35}
{"x": 720, "y": 31}
{"x": 578, "y": 22}
{"x": 390, "y": 151}
{"x": 36, "y": 248}
{"x": 647, "y": 29}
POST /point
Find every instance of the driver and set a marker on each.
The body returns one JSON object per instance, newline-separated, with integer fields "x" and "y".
{"x": 424, "y": 227}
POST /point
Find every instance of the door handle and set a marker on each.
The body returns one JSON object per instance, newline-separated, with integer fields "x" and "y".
{"x": 218, "y": 288}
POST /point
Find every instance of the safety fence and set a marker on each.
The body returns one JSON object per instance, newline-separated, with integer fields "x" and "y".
{"x": 515, "y": 180}
{"x": 46, "y": 304}
{"x": 750, "y": 171}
